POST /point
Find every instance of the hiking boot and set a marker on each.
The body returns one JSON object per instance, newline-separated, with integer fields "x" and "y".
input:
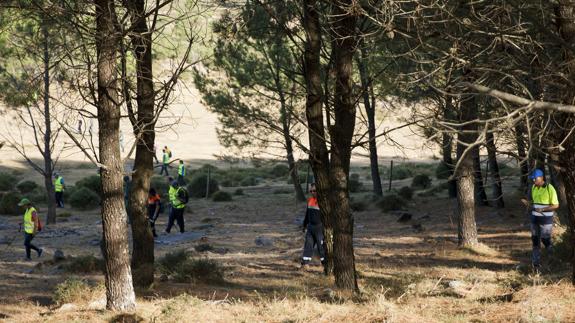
{"x": 40, "y": 252}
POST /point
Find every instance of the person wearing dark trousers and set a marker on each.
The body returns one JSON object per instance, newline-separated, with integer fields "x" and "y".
{"x": 154, "y": 206}
{"x": 59, "y": 190}
{"x": 182, "y": 173}
{"x": 165, "y": 163}
{"x": 314, "y": 230}
{"x": 32, "y": 226}
{"x": 177, "y": 208}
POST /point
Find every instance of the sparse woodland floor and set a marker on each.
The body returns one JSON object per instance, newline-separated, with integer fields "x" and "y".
{"x": 407, "y": 273}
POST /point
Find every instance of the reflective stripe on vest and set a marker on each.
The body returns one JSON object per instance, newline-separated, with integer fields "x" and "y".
{"x": 543, "y": 197}
{"x": 182, "y": 170}
{"x": 58, "y": 187}
{"x": 28, "y": 222}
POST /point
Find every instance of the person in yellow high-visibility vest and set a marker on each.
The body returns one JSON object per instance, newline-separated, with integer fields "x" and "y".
{"x": 165, "y": 163}
{"x": 182, "y": 173}
{"x": 177, "y": 206}
{"x": 31, "y": 226}
{"x": 59, "y": 189}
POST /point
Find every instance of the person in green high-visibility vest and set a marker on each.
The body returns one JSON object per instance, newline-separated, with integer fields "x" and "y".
{"x": 59, "y": 189}
{"x": 32, "y": 225}
{"x": 182, "y": 173}
{"x": 165, "y": 162}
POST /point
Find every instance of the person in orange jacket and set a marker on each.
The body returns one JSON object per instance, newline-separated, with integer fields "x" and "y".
{"x": 313, "y": 227}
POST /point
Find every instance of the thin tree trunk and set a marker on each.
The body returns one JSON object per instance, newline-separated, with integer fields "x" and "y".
{"x": 119, "y": 290}
{"x": 494, "y": 170}
{"x": 143, "y": 240}
{"x": 370, "y": 112}
{"x": 319, "y": 156}
{"x": 556, "y": 178}
{"x": 342, "y": 134}
{"x": 48, "y": 166}
{"x": 447, "y": 148}
{"x": 521, "y": 152}
{"x": 479, "y": 187}
{"x": 467, "y": 228}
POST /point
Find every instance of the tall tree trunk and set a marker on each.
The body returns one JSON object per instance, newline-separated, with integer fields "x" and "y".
{"x": 319, "y": 155}
{"x": 565, "y": 12}
{"x": 341, "y": 137}
{"x": 143, "y": 240}
{"x": 447, "y": 147}
{"x": 522, "y": 154}
{"x": 370, "y": 112}
{"x": 467, "y": 228}
{"x": 119, "y": 290}
{"x": 494, "y": 170}
{"x": 48, "y": 166}
{"x": 481, "y": 196}
{"x": 556, "y": 179}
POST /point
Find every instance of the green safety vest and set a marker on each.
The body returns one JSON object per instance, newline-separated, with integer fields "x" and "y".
{"x": 173, "y": 195}
{"x": 182, "y": 170}
{"x": 166, "y": 158}
{"x": 58, "y": 186}
{"x": 28, "y": 222}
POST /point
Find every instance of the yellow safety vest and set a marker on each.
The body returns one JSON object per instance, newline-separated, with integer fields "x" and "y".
{"x": 166, "y": 158}
{"x": 182, "y": 170}
{"x": 58, "y": 187}
{"x": 28, "y": 222}
{"x": 173, "y": 194}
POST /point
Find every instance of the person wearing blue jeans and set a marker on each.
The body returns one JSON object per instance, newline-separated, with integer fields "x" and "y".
{"x": 542, "y": 202}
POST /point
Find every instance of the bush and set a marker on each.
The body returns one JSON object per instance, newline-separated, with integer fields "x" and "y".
{"x": 302, "y": 179}
{"x": 421, "y": 181}
{"x": 9, "y": 203}
{"x": 279, "y": 170}
{"x": 443, "y": 170}
{"x": 197, "y": 186}
{"x": 401, "y": 172}
{"x": 280, "y": 191}
{"x": 221, "y": 196}
{"x": 391, "y": 202}
{"x": 183, "y": 268}
{"x": 354, "y": 184}
{"x": 405, "y": 192}
{"x": 84, "y": 265}
{"x": 74, "y": 290}
{"x": 249, "y": 181}
{"x": 239, "y": 191}
{"x": 7, "y": 181}
{"x": 26, "y": 187}
{"x": 92, "y": 183}
{"x": 358, "y": 206}
{"x": 84, "y": 199}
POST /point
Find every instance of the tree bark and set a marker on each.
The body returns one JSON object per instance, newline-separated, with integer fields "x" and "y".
{"x": 494, "y": 170}
{"x": 48, "y": 165}
{"x": 319, "y": 156}
{"x": 467, "y": 229}
{"x": 370, "y": 112}
{"x": 143, "y": 240}
{"x": 342, "y": 134}
{"x": 119, "y": 290}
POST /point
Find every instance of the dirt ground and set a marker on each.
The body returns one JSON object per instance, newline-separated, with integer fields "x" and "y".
{"x": 409, "y": 272}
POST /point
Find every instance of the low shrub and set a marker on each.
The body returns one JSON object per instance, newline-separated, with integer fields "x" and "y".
{"x": 221, "y": 196}
{"x": 239, "y": 191}
{"x": 391, "y": 202}
{"x": 358, "y": 206}
{"x": 406, "y": 193}
{"x": 302, "y": 179}
{"x": 26, "y": 187}
{"x": 401, "y": 172}
{"x": 249, "y": 181}
{"x": 421, "y": 181}
{"x": 92, "y": 183}
{"x": 64, "y": 215}
{"x": 160, "y": 184}
{"x": 443, "y": 170}
{"x": 76, "y": 290}
{"x": 9, "y": 203}
{"x": 7, "y": 181}
{"x": 84, "y": 198}
{"x": 198, "y": 185}
{"x": 279, "y": 170}
{"x": 182, "y": 267}
{"x": 280, "y": 191}
{"x": 38, "y": 195}
{"x": 354, "y": 184}
{"x": 84, "y": 265}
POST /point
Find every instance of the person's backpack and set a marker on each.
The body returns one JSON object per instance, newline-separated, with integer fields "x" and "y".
{"x": 182, "y": 195}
